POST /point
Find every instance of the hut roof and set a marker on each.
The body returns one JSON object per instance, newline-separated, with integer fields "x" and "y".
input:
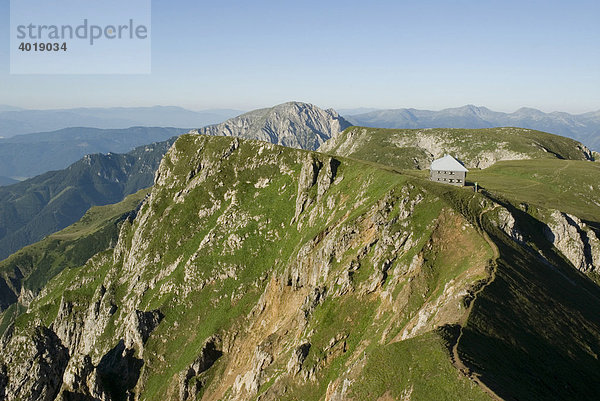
{"x": 447, "y": 163}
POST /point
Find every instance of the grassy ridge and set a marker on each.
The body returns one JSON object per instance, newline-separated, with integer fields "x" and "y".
{"x": 415, "y": 369}
{"x": 535, "y": 331}
{"x": 413, "y": 148}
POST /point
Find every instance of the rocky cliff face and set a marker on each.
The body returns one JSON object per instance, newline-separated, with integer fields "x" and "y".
{"x": 293, "y": 124}
{"x": 254, "y": 271}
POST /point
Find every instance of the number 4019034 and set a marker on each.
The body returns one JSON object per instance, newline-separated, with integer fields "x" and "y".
{"x": 43, "y": 47}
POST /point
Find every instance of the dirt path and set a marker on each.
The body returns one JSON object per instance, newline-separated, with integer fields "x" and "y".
{"x": 567, "y": 164}
{"x": 455, "y": 355}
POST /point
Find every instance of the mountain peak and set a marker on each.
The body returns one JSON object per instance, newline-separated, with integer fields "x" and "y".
{"x": 293, "y": 124}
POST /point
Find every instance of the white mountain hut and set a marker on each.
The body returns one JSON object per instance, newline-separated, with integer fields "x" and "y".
{"x": 448, "y": 170}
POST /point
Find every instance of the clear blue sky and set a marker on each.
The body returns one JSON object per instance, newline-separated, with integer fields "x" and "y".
{"x": 387, "y": 54}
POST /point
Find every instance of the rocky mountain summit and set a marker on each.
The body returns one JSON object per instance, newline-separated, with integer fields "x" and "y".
{"x": 255, "y": 271}
{"x": 293, "y": 124}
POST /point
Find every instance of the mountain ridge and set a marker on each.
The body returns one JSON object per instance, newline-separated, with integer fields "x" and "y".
{"x": 476, "y": 148}
{"x": 34, "y": 208}
{"x": 55, "y": 150}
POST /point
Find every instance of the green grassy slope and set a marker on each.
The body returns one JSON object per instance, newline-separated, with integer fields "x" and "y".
{"x": 568, "y": 185}
{"x": 533, "y": 332}
{"x": 415, "y": 369}
{"x": 412, "y": 148}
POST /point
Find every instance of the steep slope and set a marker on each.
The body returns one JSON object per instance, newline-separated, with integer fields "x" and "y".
{"x": 26, "y": 272}
{"x": 57, "y": 150}
{"x": 50, "y": 202}
{"x": 582, "y": 127}
{"x": 292, "y": 124}
{"x": 477, "y": 148}
{"x": 256, "y": 271}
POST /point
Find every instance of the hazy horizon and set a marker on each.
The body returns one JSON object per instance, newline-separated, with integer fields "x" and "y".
{"x": 117, "y": 106}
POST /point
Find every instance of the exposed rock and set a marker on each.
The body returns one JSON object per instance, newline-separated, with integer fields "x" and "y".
{"x": 79, "y": 323}
{"x": 293, "y": 124}
{"x": 140, "y": 325}
{"x": 119, "y": 371}
{"x": 575, "y": 240}
{"x": 190, "y": 381}
{"x": 40, "y": 377}
{"x": 327, "y": 176}
{"x": 78, "y": 380}
{"x": 507, "y": 223}
{"x": 253, "y": 379}
{"x": 308, "y": 177}
{"x": 298, "y": 357}
{"x": 312, "y": 300}
{"x": 26, "y": 296}
{"x": 338, "y": 393}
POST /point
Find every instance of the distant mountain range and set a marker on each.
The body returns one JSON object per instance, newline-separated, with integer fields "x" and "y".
{"x": 16, "y": 121}
{"x": 29, "y": 155}
{"x": 582, "y": 127}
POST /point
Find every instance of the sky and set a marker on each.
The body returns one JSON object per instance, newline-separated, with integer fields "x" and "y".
{"x": 343, "y": 54}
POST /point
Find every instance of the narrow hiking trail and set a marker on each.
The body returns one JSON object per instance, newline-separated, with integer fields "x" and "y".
{"x": 455, "y": 354}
